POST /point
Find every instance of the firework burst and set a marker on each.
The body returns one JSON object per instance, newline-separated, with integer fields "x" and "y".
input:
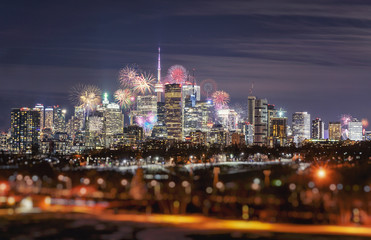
{"x": 95, "y": 124}
{"x": 364, "y": 122}
{"x": 124, "y": 97}
{"x": 86, "y": 96}
{"x": 147, "y": 122}
{"x": 208, "y": 87}
{"x": 128, "y": 75}
{"x": 143, "y": 83}
{"x": 220, "y": 99}
{"x": 345, "y": 119}
{"x": 177, "y": 74}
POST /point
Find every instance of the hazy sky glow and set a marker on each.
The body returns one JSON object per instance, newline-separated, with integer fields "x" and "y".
{"x": 310, "y": 56}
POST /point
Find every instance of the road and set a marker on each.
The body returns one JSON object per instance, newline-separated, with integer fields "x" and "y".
{"x": 197, "y": 222}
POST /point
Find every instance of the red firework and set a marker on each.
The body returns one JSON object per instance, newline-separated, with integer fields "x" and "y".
{"x": 178, "y": 74}
{"x": 220, "y": 98}
{"x": 364, "y": 123}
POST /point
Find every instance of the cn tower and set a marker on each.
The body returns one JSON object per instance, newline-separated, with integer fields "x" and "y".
{"x": 159, "y": 88}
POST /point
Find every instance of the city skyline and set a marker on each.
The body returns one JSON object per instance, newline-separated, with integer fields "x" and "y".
{"x": 111, "y": 97}
{"x": 197, "y": 119}
{"x": 316, "y": 57}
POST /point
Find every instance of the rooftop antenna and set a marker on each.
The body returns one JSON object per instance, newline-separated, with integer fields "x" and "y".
{"x": 159, "y": 66}
{"x": 193, "y": 80}
{"x": 251, "y": 89}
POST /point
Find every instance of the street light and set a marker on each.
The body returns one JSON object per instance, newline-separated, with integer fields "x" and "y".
{"x": 321, "y": 173}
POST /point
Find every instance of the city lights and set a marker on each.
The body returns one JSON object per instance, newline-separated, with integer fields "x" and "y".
{"x": 263, "y": 135}
{"x": 321, "y": 173}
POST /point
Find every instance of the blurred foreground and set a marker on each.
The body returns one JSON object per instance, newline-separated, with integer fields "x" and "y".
{"x": 243, "y": 200}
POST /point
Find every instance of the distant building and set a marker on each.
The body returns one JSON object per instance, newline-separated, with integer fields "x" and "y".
{"x": 133, "y": 134}
{"x": 113, "y": 123}
{"x": 318, "y": 129}
{"x": 94, "y": 130}
{"x": 76, "y": 122}
{"x": 249, "y": 134}
{"x": 192, "y": 117}
{"x": 113, "y": 119}
{"x": 300, "y": 126}
{"x": 278, "y": 130}
{"x": 190, "y": 95}
{"x": 251, "y": 118}
{"x": 251, "y": 109}
{"x": 355, "y": 130}
{"x": 4, "y": 137}
{"x": 189, "y": 90}
{"x": 228, "y": 118}
{"x": 368, "y": 135}
{"x": 207, "y": 110}
{"x": 173, "y": 111}
{"x": 49, "y": 116}
{"x": 272, "y": 113}
{"x": 334, "y": 131}
{"x": 159, "y": 131}
{"x": 40, "y": 107}
{"x": 147, "y": 105}
{"x": 146, "y": 113}
{"x": 59, "y": 119}
{"x": 25, "y": 130}
{"x": 218, "y": 135}
{"x": 238, "y": 139}
{"x": 198, "y": 137}
{"x": 261, "y": 122}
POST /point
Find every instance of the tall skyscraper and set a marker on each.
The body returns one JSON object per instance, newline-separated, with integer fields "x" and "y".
{"x": 40, "y": 107}
{"x": 59, "y": 119}
{"x": 94, "y": 129}
{"x": 251, "y": 109}
{"x": 190, "y": 95}
{"x": 161, "y": 113}
{"x": 146, "y": 113}
{"x": 251, "y": 119}
{"x": 272, "y": 112}
{"x": 76, "y": 122}
{"x": 146, "y": 105}
{"x": 192, "y": 117}
{"x": 355, "y": 130}
{"x": 159, "y": 87}
{"x": 191, "y": 90}
{"x": 173, "y": 111}
{"x": 300, "y": 126}
{"x": 334, "y": 131}
{"x": 207, "y": 110}
{"x": 249, "y": 134}
{"x": 318, "y": 129}
{"x": 278, "y": 131}
{"x": 25, "y": 130}
{"x": 261, "y": 122}
{"x": 113, "y": 119}
{"x": 49, "y": 116}
{"x": 159, "y": 130}
{"x": 113, "y": 123}
{"x": 228, "y": 118}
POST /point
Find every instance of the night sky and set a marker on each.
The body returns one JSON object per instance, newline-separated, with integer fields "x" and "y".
{"x": 310, "y": 55}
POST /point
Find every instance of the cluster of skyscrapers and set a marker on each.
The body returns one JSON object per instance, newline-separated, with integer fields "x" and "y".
{"x": 176, "y": 113}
